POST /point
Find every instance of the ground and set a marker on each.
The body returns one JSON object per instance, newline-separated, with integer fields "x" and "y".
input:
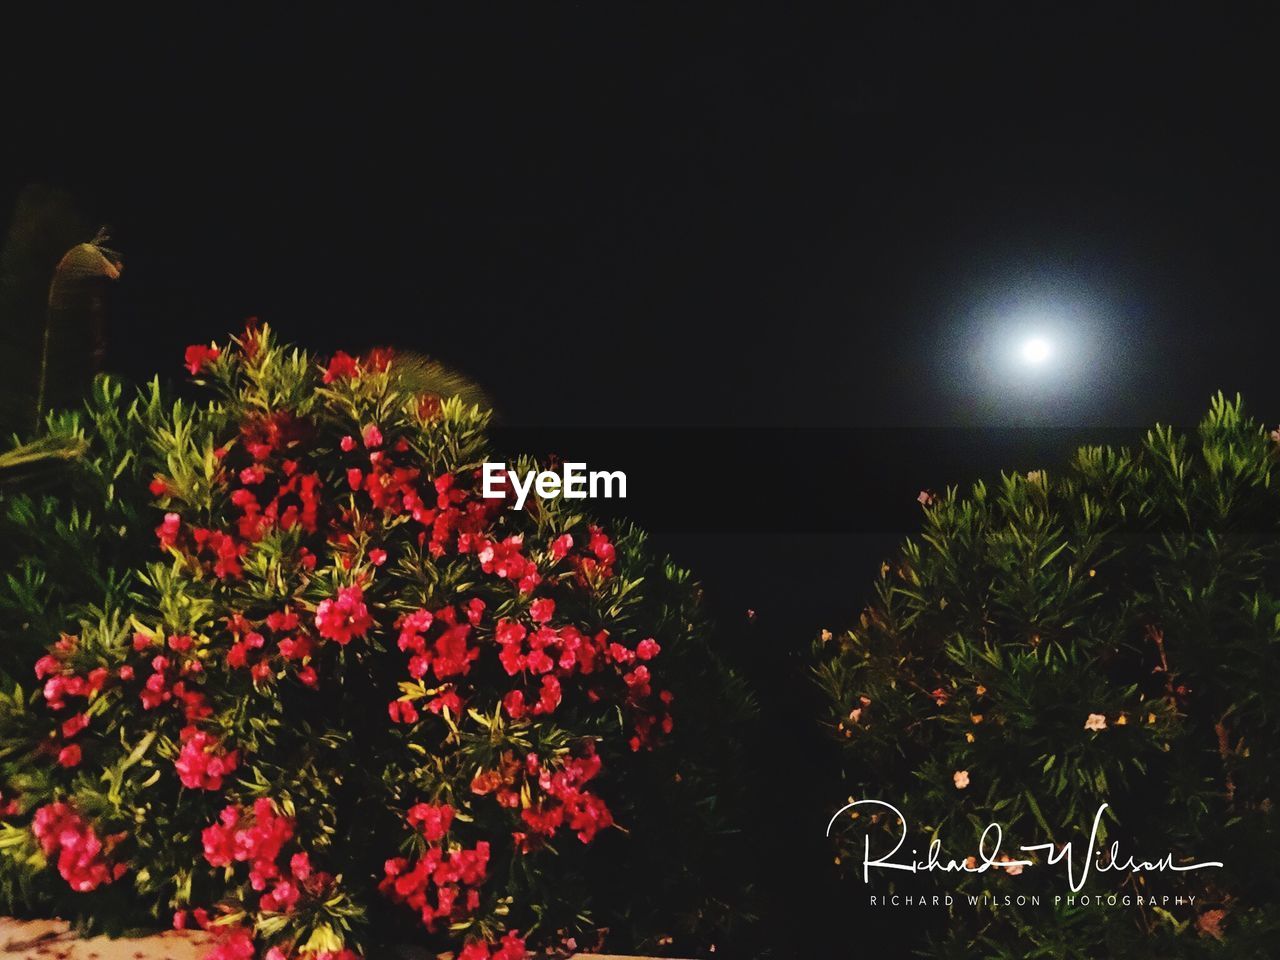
{"x": 53, "y": 940}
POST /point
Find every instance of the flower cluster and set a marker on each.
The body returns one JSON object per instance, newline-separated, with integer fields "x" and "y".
{"x": 203, "y": 763}
{"x": 596, "y": 562}
{"x": 63, "y": 684}
{"x": 293, "y": 646}
{"x": 344, "y": 617}
{"x": 563, "y": 801}
{"x": 62, "y": 681}
{"x": 173, "y": 675}
{"x": 82, "y": 857}
{"x": 511, "y": 947}
{"x": 442, "y": 883}
{"x": 256, "y": 837}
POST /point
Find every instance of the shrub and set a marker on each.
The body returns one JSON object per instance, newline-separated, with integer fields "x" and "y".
{"x": 1107, "y": 634}
{"x": 352, "y": 702}
{"x": 73, "y": 520}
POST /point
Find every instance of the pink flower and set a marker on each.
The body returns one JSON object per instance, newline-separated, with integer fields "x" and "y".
{"x": 961, "y": 779}
{"x": 234, "y": 943}
{"x": 80, "y": 852}
{"x": 202, "y": 763}
{"x": 1095, "y": 722}
{"x": 1011, "y": 867}
{"x": 541, "y": 610}
{"x": 167, "y": 532}
{"x": 254, "y": 836}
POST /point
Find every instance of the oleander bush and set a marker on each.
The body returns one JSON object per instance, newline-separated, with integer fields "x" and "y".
{"x": 1109, "y": 633}
{"x": 305, "y": 687}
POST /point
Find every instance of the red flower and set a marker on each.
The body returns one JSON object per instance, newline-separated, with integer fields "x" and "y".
{"x": 344, "y": 617}
{"x": 341, "y": 367}
{"x": 402, "y": 711}
{"x": 69, "y": 756}
{"x": 513, "y": 703}
{"x": 549, "y": 697}
{"x": 432, "y": 819}
{"x": 282, "y": 620}
{"x": 199, "y": 356}
{"x": 450, "y": 879}
{"x": 452, "y": 655}
{"x": 511, "y": 947}
{"x": 542, "y": 609}
{"x": 428, "y": 406}
{"x": 379, "y": 359}
{"x": 300, "y": 866}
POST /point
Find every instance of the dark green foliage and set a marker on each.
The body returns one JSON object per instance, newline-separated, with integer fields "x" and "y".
{"x": 73, "y": 523}
{"x": 1139, "y": 585}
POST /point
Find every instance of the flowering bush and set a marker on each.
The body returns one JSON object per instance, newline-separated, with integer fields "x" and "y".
{"x": 1106, "y": 635}
{"x": 349, "y": 700}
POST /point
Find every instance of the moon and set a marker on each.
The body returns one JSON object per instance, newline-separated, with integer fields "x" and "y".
{"x": 1035, "y": 351}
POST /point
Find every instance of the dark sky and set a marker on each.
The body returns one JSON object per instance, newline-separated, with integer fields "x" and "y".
{"x": 638, "y": 214}
{"x": 644, "y": 215}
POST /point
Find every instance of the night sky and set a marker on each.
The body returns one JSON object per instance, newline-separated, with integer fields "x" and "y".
{"x": 665, "y": 233}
